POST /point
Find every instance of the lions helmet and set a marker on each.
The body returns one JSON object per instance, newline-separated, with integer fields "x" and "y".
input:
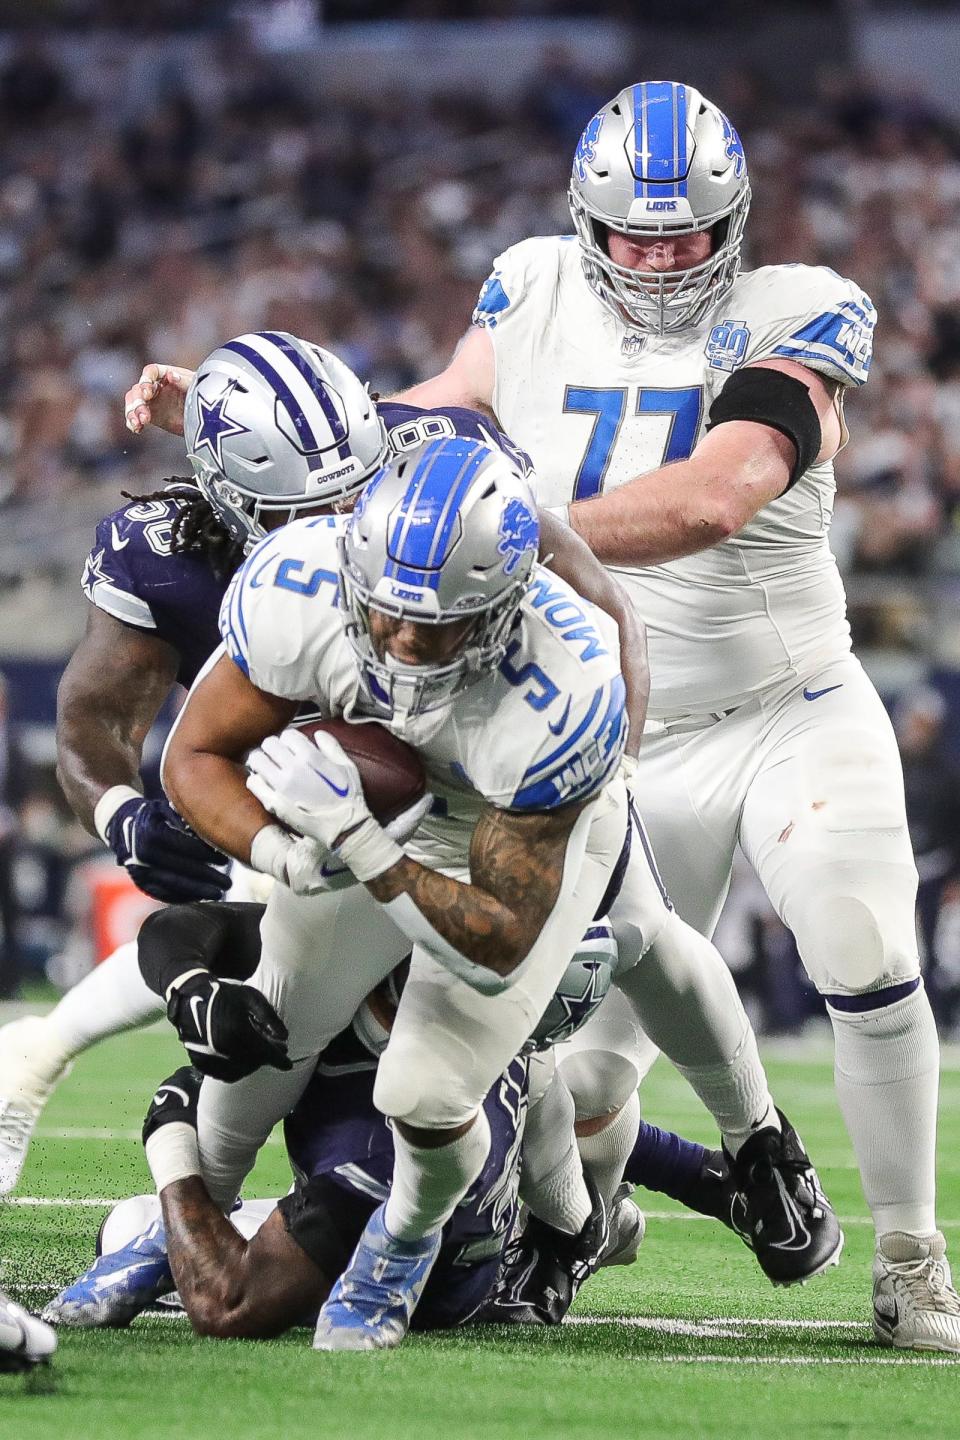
{"x": 444, "y": 532}
{"x": 582, "y": 989}
{"x": 660, "y": 160}
{"x": 276, "y": 426}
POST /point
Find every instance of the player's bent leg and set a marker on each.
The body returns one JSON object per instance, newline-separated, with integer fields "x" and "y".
{"x": 320, "y": 957}
{"x": 449, "y": 1044}
{"x": 36, "y": 1051}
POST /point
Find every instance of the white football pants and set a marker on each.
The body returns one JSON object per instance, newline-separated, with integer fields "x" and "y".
{"x": 323, "y": 954}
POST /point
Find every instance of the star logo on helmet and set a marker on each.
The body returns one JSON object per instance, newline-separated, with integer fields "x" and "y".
{"x": 519, "y": 532}
{"x": 215, "y": 427}
{"x": 578, "y": 1008}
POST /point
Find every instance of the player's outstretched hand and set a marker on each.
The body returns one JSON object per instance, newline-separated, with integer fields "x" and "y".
{"x": 163, "y": 856}
{"x": 229, "y": 1030}
{"x": 157, "y": 399}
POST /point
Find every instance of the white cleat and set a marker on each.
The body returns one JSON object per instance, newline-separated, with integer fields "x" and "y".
{"x": 627, "y": 1228}
{"x": 915, "y": 1306}
{"x": 30, "y": 1066}
{"x": 24, "y": 1340}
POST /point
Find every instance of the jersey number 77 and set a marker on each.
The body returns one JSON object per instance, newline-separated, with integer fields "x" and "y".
{"x": 609, "y": 408}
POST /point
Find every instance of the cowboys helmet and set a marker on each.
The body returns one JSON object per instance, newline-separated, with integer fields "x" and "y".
{"x": 275, "y": 426}
{"x": 582, "y": 989}
{"x": 445, "y": 532}
{"x": 660, "y": 160}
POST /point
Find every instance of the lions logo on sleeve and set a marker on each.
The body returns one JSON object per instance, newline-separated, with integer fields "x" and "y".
{"x": 804, "y": 313}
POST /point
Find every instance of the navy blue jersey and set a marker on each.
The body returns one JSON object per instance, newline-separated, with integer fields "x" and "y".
{"x": 336, "y": 1138}
{"x": 132, "y": 574}
{"x": 410, "y": 425}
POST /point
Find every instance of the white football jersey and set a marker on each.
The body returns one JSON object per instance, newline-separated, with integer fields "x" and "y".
{"x": 545, "y": 729}
{"x": 595, "y": 402}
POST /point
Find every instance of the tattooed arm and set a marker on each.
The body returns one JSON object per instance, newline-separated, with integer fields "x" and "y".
{"x": 516, "y": 865}
{"x": 232, "y": 1288}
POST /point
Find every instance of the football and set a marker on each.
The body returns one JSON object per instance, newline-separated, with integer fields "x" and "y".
{"x": 392, "y": 774}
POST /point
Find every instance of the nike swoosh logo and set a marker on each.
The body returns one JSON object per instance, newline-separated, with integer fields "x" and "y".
{"x": 335, "y": 788}
{"x": 561, "y": 725}
{"x": 118, "y": 544}
{"x": 195, "y": 1002}
{"x": 815, "y": 694}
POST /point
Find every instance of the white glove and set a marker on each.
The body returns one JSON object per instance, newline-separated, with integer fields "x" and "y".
{"x": 298, "y": 862}
{"x": 314, "y": 787}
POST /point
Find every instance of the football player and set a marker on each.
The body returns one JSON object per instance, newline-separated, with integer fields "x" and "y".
{"x": 686, "y": 996}
{"x": 155, "y": 580}
{"x": 683, "y": 416}
{"x": 238, "y": 1279}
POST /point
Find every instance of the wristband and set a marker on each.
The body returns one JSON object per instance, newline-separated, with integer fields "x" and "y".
{"x": 269, "y": 849}
{"x": 108, "y": 805}
{"x": 369, "y": 850}
{"x": 173, "y": 1154}
{"x": 559, "y": 512}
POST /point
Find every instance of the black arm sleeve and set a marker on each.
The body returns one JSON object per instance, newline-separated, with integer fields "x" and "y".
{"x": 771, "y": 398}
{"x": 221, "y": 936}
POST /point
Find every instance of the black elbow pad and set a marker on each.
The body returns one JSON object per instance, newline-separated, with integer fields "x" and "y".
{"x": 771, "y": 398}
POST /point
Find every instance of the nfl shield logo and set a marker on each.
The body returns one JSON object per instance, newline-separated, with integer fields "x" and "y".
{"x": 727, "y": 345}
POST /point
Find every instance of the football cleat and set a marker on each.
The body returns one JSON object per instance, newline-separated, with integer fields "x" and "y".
{"x": 627, "y": 1229}
{"x": 915, "y": 1306}
{"x": 779, "y": 1209}
{"x": 30, "y": 1067}
{"x": 543, "y": 1269}
{"x": 25, "y": 1341}
{"x": 370, "y": 1306}
{"x": 117, "y": 1287}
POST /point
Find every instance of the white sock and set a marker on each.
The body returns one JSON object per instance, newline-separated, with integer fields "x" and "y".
{"x": 886, "y": 1069}
{"x": 736, "y": 1094}
{"x": 688, "y": 1005}
{"x": 429, "y": 1183}
{"x": 551, "y": 1172}
{"x": 605, "y": 1153}
{"x": 112, "y": 998}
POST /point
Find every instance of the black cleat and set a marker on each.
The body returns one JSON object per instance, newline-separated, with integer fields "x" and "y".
{"x": 543, "y": 1269}
{"x": 778, "y": 1208}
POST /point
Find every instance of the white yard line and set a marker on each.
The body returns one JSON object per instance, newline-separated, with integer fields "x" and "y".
{"x": 93, "y": 1202}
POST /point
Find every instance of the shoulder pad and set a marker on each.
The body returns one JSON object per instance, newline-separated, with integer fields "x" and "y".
{"x": 805, "y": 313}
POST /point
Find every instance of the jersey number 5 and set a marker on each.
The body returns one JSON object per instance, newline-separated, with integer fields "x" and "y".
{"x": 609, "y": 407}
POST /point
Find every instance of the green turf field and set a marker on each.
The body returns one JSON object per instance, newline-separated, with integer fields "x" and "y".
{"x": 689, "y": 1342}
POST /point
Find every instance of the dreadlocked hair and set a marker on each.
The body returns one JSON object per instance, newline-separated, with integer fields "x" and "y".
{"x": 196, "y": 529}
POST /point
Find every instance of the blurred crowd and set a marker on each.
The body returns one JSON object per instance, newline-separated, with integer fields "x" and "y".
{"x": 370, "y": 227}
{"x": 130, "y": 233}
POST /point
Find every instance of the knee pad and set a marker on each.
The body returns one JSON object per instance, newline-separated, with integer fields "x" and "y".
{"x": 854, "y": 924}
{"x": 600, "y": 1081}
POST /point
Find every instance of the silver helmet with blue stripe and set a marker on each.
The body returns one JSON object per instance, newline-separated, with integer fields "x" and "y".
{"x": 660, "y": 160}
{"x": 275, "y": 426}
{"x": 445, "y": 533}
